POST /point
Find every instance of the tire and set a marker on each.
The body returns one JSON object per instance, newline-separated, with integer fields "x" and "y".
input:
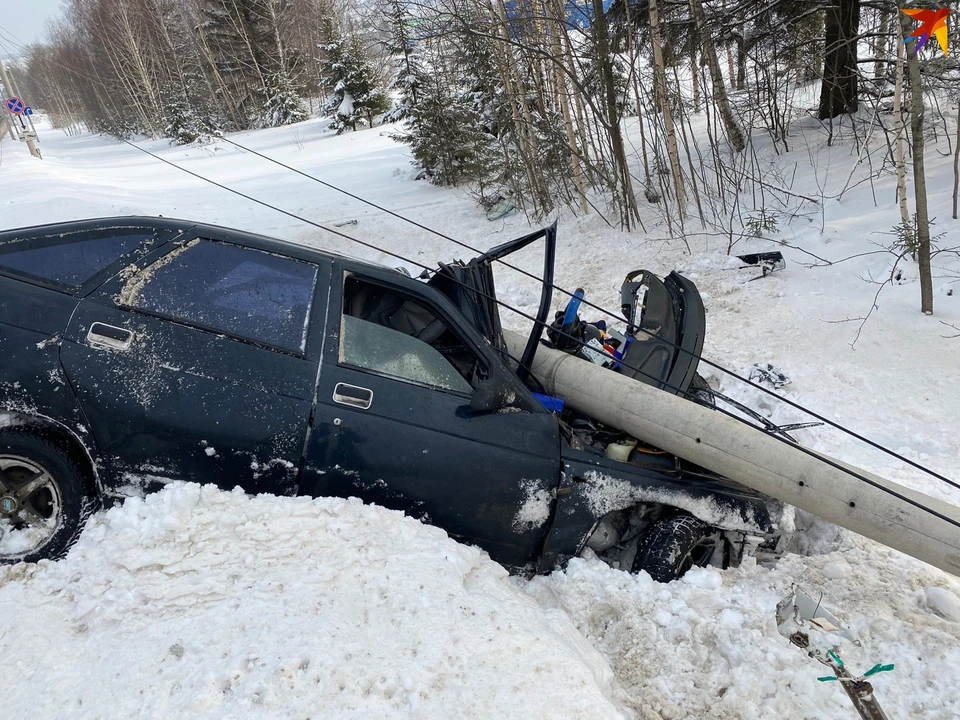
{"x": 676, "y": 544}
{"x": 43, "y": 499}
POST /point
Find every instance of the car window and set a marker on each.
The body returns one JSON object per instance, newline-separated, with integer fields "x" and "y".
{"x": 390, "y": 334}
{"x": 71, "y": 258}
{"x": 245, "y": 292}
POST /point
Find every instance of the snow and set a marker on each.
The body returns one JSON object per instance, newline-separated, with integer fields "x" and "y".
{"x": 604, "y": 493}
{"x": 197, "y": 602}
{"x": 536, "y": 507}
{"x": 179, "y": 596}
{"x": 944, "y": 602}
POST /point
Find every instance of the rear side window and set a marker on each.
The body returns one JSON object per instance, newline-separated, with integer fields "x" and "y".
{"x": 71, "y": 258}
{"x": 240, "y": 291}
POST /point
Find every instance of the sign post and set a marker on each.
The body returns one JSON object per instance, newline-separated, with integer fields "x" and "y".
{"x": 16, "y": 106}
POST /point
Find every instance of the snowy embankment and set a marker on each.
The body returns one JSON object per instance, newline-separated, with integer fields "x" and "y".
{"x": 203, "y": 603}
{"x": 204, "y": 608}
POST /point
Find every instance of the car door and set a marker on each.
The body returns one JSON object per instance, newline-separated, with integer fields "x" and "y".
{"x": 394, "y": 425}
{"x": 197, "y": 364}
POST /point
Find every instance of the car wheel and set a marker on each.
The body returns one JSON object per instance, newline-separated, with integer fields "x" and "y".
{"x": 676, "y": 544}
{"x": 43, "y": 503}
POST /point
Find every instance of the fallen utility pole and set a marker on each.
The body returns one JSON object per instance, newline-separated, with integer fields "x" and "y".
{"x": 815, "y": 483}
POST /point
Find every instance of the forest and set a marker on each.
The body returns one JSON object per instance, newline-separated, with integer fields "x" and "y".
{"x": 526, "y": 99}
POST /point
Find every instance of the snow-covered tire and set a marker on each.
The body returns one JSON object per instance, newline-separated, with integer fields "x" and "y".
{"x": 674, "y": 545}
{"x": 40, "y": 522}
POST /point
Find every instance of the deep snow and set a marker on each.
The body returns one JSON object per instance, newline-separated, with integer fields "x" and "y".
{"x": 107, "y": 624}
{"x": 199, "y": 602}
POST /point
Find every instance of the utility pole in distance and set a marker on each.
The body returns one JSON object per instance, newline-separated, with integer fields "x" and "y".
{"x": 30, "y": 135}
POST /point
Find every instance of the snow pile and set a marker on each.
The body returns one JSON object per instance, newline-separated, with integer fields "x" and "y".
{"x": 707, "y": 646}
{"x": 203, "y": 603}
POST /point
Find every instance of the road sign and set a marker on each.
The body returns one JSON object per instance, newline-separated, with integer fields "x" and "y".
{"x": 15, "y": 105}
{"x": 28, "y": 111}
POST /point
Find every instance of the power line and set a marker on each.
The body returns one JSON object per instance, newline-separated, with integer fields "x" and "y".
{"x": 609, "y": 313}
{"x": 417, "y": 263}
{"x": 533, "y": 276}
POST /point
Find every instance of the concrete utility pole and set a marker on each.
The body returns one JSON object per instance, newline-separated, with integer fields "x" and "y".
{"x": 31, "y": 134}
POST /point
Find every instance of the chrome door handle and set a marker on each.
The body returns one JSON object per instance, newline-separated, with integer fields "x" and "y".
{"x": 103, "y": 335}
{"x": 353, "y": 395}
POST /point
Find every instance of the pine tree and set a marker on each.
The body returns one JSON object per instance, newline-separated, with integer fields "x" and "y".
{"x": 405, "y": 52}
{"x": 357, "y": 96}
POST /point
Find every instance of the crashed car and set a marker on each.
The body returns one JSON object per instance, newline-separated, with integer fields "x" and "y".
{"x": 139, "y": 351}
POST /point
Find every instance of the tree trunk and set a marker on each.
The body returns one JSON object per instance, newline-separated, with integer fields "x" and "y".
{"x": 838, "y": 94}
{"x": 919, "y": 179}
{"x": 628, "y": 204}
{"x": 660, "y": 83}
{"x": 898, "y": 159}
{"x": 880, "y": 66}
{"x": 720, "y": 99}
{"x": 741, "y": 58}
{"x": 956, "y": 167}
{"x": 560, "y": 83}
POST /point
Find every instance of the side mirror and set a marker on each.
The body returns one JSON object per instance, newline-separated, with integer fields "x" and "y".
{"x": 494, "y": 393}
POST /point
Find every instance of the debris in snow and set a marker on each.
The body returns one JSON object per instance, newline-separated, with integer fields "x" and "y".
{"x": 770, "y": 374}
{"x": 944, "y": 603}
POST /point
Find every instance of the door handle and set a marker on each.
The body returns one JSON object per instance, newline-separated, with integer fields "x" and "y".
{"x": 103, "y": 335}
{"x": 352, "y": 395}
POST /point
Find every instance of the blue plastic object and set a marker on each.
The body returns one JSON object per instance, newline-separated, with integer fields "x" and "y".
{"x": 572, "y": 307}
{"x": 553, "y": 404}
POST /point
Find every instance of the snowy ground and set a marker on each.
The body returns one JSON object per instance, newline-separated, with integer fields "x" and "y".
{"x": 209, "y": 604}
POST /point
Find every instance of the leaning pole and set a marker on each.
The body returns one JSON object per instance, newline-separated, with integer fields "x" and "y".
{"x": 753, "y": 458}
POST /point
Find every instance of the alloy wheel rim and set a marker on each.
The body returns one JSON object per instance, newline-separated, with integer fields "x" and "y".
{"x": 30, "y": 506}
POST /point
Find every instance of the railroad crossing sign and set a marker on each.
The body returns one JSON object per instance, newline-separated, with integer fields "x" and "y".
{"x": 15, "y": 105}
{"x": 28, "y": 111}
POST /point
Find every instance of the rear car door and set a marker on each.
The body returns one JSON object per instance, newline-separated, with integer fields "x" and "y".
{"x": 394, "y": 424}
{"x": 197, "y": 364}
{"x": 44, "y": 271}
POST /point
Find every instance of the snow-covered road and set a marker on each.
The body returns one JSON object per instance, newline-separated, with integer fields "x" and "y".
{"x": 200, "y": 603}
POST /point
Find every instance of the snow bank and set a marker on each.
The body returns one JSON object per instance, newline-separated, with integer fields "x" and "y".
{"x": 707, "y": 646}
{"x": 201, "y": 603}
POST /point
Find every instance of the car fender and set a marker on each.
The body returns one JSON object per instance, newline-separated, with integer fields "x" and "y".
{"x": 35, "y": 391}
{"x": 593, "y": 486}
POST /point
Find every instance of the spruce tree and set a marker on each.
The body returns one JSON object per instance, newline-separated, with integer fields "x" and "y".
{"x": 405, "y": 53}
{"x": 446, "y": 133}
{"x": 357, "y": 96}
{"x": 283, "y": 105}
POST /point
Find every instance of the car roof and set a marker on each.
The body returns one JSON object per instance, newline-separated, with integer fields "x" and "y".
{"x": 241, "y": 237}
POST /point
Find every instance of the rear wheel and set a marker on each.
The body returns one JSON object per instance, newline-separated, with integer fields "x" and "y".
{"x": 43, "y": 502}
{"x": 676, "y": 544}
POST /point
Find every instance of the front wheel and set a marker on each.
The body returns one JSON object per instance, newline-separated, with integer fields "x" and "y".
{"x": 676, "y": 544}
{"x": 43, "y": 503}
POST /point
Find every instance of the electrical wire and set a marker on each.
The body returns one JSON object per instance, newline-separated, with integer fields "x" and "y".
{"x": 568, "y": 293}
{"x": 610, "y": 314}
{"x": 519, "y": 312}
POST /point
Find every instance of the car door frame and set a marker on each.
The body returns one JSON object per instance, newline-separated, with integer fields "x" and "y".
{"x": 106, "y": 294}
{"x": 541, "y": 445}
